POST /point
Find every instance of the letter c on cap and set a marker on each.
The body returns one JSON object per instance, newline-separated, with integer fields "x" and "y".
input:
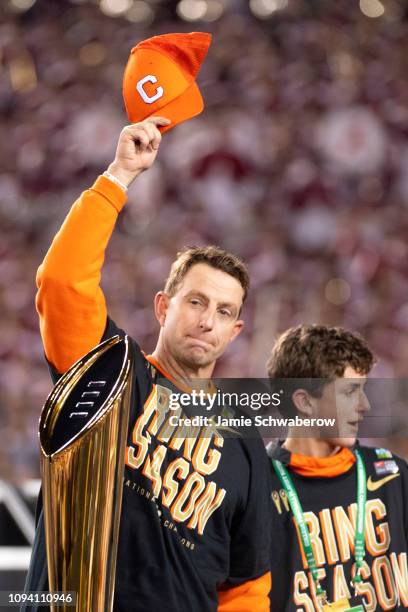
{"x": 150, "y": 78}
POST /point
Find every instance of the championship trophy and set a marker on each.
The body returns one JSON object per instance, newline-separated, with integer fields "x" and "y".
{"x": 83, "y": 430}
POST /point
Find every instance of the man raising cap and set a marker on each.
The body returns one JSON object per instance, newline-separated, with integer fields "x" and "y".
{"x": 194, "y": 531}
{"x": 339, "y": 510}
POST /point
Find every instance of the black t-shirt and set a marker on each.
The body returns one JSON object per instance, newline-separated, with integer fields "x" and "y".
{"x": 330, "y": 506}
{"x": 194, "y": 512}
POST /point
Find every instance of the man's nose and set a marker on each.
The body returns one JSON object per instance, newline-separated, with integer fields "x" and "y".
{"x": 364, "y": 402}
{"x": 207, "y": 319}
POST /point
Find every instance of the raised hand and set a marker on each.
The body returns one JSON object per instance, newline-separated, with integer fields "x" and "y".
{"x": 137, "y": 148}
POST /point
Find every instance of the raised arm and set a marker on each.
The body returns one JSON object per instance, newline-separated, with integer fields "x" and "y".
{"x": 69, "y": 301}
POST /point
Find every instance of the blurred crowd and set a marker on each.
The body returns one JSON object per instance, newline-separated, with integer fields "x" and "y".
{"x": 299, "y": 164}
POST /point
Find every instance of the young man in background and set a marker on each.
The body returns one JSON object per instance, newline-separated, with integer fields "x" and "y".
{"x": 339, "y": 510}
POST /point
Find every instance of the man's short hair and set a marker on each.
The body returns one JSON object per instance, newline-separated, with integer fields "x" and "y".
{"x": 212, "y": 256}
{"x": 317, "y": 354}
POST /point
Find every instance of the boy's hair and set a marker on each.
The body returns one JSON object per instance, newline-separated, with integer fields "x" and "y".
{"x": 317, "y": 354}
{"x": 212, "y": 256}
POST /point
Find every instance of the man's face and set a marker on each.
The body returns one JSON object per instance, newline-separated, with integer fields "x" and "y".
{"x": 201, "y": 319}
{"x": 345, "y": 400}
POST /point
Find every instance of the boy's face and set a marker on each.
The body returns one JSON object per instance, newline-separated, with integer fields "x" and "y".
{"x": 345, "y": 400}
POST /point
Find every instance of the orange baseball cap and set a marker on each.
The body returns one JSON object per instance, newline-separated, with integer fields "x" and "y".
{"x": 160, "y": 77}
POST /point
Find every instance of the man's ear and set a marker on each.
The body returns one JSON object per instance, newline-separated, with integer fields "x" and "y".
{"x": 238, "y": 327}
{"x": 161, "y": 304}
{"x": 303, "y": 402}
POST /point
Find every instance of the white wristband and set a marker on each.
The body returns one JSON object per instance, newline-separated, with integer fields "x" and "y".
{"x": 115, "y": 180}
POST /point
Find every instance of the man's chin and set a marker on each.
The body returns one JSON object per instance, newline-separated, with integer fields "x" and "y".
{"x": 343, "y": 442}
{"x": 197, "y": 358}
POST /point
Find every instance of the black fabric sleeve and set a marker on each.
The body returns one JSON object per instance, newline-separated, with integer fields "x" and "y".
{"x": 404, "y": 478}
{"x": 37, "y": 575}
{"x": 251, "y": 532}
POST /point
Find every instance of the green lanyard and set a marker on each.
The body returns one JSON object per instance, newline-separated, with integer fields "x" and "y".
{"x": 359, "y": 543}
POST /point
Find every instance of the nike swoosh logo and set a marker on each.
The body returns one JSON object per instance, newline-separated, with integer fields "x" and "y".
{"x": 374, "y": 485}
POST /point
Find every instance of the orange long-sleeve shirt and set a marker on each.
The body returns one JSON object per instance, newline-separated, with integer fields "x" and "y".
{"x": 70, "y": 302}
